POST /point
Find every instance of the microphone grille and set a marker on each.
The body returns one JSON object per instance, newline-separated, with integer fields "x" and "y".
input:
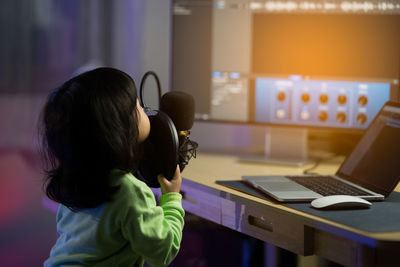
{"x": 179, "y": 106}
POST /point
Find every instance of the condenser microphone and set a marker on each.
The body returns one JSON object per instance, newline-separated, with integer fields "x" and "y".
{"x": 180, "y": 106}
{"x": 168, "y": 143}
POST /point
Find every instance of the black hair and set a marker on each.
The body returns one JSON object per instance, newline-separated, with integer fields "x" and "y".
{"x": 89, "y": 127}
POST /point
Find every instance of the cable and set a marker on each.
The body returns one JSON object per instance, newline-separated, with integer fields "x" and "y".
{"x": 142, "y": 86}
{"x": 317, "y": 163}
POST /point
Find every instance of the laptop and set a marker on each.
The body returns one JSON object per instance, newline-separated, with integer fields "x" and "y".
{"x": 371, "y": 171}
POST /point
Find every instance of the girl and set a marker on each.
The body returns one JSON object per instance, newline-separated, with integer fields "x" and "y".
{"x": 92, "y": 128}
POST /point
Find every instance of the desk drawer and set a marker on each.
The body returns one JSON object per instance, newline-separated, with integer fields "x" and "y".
{"x": 268, "y": 225}
{"x": 201, "y": 203}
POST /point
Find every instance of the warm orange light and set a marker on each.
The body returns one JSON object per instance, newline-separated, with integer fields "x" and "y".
{"x": 326, "y": 44}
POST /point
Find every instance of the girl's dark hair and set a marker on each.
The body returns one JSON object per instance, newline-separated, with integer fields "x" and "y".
{"x": 89, "y": 127}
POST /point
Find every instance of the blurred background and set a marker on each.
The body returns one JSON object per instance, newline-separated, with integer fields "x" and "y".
{"x": 45, "y": 42}
{"x": 42, "y": 44}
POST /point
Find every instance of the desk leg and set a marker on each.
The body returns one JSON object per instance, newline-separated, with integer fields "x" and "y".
{"x": 277, "y": 257}
{"x": 270, "y": 255}
{"x": 344, "y": 251}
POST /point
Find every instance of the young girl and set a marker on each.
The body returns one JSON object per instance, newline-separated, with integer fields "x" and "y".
{"x": 93, "y": 127}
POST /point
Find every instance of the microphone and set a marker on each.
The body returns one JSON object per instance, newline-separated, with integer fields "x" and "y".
{"x": 180, "y": 106}
{"x": 168, "y": 143}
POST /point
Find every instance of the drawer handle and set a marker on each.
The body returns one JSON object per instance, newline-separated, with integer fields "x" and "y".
{"x": 260, "y": 223}
{"x": 188, "y": 199}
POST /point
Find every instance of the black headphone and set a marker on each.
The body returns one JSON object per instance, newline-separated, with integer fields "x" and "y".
{"x": 161, "y": 148}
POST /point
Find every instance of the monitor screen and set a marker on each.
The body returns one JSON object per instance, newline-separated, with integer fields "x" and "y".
{"x": 329, "y": 65}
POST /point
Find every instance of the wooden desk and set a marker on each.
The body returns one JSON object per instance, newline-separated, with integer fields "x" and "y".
{"x": 296, "y": 231}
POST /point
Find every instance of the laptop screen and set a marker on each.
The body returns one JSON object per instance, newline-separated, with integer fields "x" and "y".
{"x": 375, "y": 161}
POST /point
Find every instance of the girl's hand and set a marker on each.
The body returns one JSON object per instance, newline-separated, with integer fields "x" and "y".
{"x": 171, "y": 186}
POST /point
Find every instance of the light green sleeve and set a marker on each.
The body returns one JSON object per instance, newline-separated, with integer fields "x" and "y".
{"x": 154, "y": 232}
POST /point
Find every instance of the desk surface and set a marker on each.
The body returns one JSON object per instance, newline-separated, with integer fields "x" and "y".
{"x": 203, "y": 171}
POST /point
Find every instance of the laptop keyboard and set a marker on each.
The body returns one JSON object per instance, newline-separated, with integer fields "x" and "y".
{"x": 326, "y": 185}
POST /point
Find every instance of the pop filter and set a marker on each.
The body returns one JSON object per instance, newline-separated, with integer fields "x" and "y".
{"x": 160, "y": 149}
{"x": 168, "y": 143}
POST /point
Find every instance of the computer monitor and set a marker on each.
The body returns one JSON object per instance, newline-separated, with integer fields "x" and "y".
{"x": 292, "y": 65}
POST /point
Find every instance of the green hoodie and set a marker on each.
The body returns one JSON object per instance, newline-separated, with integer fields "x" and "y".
{"x": 126, "y": 231}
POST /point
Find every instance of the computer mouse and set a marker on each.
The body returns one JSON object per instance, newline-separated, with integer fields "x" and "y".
{"x": 340, "y": 202}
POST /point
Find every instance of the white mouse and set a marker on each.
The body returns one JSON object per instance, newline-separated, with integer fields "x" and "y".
{"x": 340, "y": 202}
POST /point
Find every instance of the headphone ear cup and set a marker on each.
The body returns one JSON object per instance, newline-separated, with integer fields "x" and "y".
{"x": 160, "y": 149}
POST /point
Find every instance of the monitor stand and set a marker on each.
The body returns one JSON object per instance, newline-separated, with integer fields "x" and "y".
{"x": 283, "y": 146}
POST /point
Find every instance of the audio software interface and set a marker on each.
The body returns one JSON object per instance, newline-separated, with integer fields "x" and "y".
{"x": 330, "y": 103}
